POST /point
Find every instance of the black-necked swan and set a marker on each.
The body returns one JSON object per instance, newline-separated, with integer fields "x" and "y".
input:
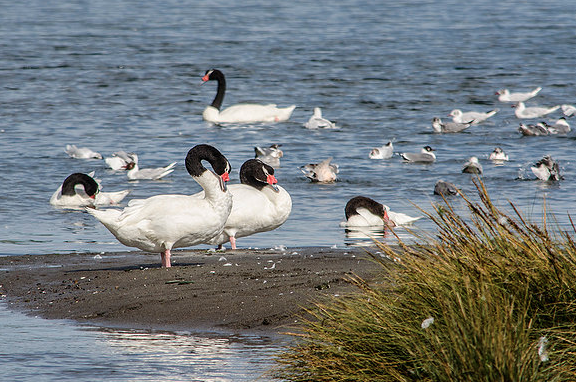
{"x": 361, "y": 211}
{"x": 81, "y": 190}
{"x": 260, "y": 204}
{"x": 163, "y": 222}
{"x": 241, "y": 113}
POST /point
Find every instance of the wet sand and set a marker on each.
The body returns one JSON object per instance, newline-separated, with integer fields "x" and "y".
{"x": 232, "y": 291}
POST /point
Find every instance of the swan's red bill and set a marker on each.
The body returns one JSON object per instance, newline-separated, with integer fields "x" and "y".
{"x": 271, "y": 179}
{"x": 205, "y": 78}
{"x": 226, "y": 177}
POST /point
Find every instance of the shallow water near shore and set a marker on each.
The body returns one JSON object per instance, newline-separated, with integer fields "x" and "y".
{"x": 49, "y": 350}
{"x": 126, "y": 76}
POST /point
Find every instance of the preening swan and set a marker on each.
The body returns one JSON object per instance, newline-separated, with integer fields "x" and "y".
{"x": 241, "y": 113}
{"x": 81, "y": 190}
{"x": 163, "y": 222}
{"x": 260, "y": 204}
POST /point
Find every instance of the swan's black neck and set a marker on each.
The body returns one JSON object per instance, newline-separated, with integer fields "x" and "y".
{"x": 206, "y": 152}
{"x": 90, "y": 185}
{"x": 252, "y": 173}
{"x": 363, "y": 202}
{"x": 216, "y": 75}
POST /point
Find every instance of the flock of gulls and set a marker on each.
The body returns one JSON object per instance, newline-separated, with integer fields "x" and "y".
{"x": 222, "y": 213}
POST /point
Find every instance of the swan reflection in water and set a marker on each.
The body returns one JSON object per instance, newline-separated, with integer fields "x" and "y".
{"x": 364, "y": 236}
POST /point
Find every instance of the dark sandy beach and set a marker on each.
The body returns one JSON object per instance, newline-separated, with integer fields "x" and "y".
{"x": 233, "y": 291}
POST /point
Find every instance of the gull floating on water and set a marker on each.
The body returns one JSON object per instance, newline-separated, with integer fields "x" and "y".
{"x": 561, "y": 126}
{"x": 445, "y": 188}
{"x": 317, "y": 122}
{"x": 547, "y": 169}
{"x": 533, "y": 130}
{"x": 504, "y": 95}
{"x": 448, "y": 127}
{"x": 323, "y": 172}
{"x": 473, "y": 117}
{"x": 269, "y": 155}
{"x": 81, "y": 152}
{"x": 135, "y": 173}
{"x": 119, "y": 160}
{"x": 426, "y": 155}
{"x": 473, "y": 166}
{"x": 534, "y": 111}
{"x": 568, "y": 110}
{"x": 384, "y": 152}
{"x": 498, "y": 155}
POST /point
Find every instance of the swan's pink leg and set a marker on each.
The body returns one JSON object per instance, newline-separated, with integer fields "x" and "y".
{"x": 166, "y": 259}
{"x": 233, "y": 242}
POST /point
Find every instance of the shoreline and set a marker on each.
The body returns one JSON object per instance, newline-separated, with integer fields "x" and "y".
{"x": 262, "y": 291}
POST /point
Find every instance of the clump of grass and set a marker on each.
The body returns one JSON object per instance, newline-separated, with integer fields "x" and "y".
{"x": 490, "y": 298}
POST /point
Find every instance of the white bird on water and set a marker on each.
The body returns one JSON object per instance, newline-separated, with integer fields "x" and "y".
{"x": 473, "y": 117}
{"x": 498, "y": 155}
{"x": 323, "y": 172}
{"x": 425, "y": 155}
{"x": 384, "y": 152}
{"x": 317, "y": 122}
{"x": 448, "y": 127}
{"x": 533, "y": 111}
{"x": 504, "y": 95}
{"x": 135, "y": 173}
{"x": 81, "y": 152}
{"x": 472, "y": 166}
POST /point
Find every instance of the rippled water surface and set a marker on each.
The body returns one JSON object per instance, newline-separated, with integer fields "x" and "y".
{"x": 125, "y": 75}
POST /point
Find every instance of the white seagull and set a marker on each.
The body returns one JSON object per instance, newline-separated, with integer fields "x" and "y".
{"x": 498, "y": 155}
{"x": 384, "y": 152}
{"x": 317, "y": 122}
{"x": 532, "y": 112}
{"x": 448, "y": 127}
{"x": 269, "y": 155}
{"x": 82, "y": 152}
{"x": 472, "y": 166}
{"x": 473, "y": 117}
{"x": 425, "y": 155}
{"x": 323, "y": 172}
{"x": 135, "y": 173}
{"x": 568, "y": 110}
{"x": 119, "y": 160}
{"x": 547, "y": 169}
{"x": 504, "y": 95}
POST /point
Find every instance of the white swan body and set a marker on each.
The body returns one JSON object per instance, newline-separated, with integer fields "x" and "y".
{"x": 361, "y": 211}
{"x": 241, "y": 113}
{"x": 163, "y": 222}
{"x": 259, "y": 204}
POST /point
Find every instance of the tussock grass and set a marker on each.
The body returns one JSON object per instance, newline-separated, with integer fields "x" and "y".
{"x": 490, "y": 298}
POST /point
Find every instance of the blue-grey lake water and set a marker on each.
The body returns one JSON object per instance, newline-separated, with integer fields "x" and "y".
{"x": 126, "y": 75}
